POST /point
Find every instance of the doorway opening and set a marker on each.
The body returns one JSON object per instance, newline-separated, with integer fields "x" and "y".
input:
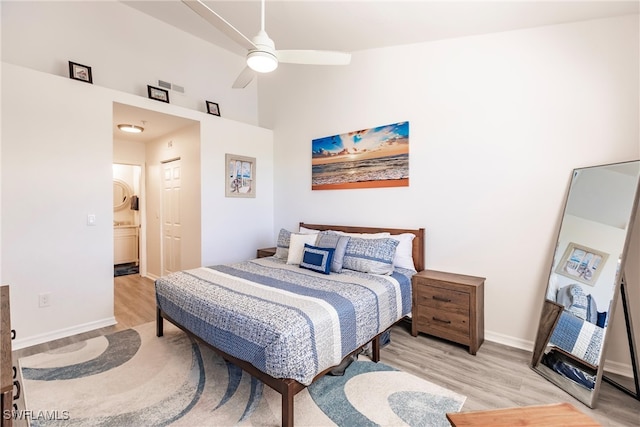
{"x": 127, "y": 189}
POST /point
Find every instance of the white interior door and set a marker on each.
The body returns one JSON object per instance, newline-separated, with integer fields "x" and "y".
{"x": 171, "y": 218}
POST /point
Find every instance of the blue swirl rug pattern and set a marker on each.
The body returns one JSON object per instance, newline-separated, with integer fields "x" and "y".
{"x": 133, "y": 378}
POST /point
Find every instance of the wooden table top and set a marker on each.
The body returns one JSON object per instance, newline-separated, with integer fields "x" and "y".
{"x": 558, "y": 414}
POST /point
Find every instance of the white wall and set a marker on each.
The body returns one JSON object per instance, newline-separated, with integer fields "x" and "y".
{"x": 127, "y": 50}
{"x": 57, "y": 155}
{"x": 497, "y": 123}
{"x": 56, "y": 169}
{"x": 233, "y": 228}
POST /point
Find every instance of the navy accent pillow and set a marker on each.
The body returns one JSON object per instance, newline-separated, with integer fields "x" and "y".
{"x": 602, "y": 319}
{"x": 317, "y": 259}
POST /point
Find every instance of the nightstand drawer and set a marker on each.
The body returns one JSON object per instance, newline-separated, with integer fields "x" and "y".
{"x": 443, "y": 323}
{"x": 441, "y": 298}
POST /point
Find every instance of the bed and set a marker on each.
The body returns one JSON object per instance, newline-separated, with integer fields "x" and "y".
{"x": 287, "y": 325}
{"x": 576, "y": 338}
{"x": 580, "y": 328}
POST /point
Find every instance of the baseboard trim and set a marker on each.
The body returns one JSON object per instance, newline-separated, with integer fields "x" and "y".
{"x": 509, "y": 341}
{"x": 617, "y": 368}
{"x": 20, "y": 343}
{"x": 150, "y": 276}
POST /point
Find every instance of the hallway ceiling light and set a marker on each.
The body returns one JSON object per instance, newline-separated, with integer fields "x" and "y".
{"x": 130, "y": 128}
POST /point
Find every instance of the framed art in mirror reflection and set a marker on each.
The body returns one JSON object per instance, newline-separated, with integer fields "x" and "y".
{"x": 582, "y": 263}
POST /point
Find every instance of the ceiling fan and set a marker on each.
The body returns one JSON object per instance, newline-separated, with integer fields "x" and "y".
{"x": 262, "y": 56}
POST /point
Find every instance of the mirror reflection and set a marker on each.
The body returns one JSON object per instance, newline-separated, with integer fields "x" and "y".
{"x": 121, "y": 194}
{"x": 585, "y": 275}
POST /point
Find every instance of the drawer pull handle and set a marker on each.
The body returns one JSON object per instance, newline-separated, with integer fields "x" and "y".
{"x": 443, "y": 299}
{"x": 442, "y": 321}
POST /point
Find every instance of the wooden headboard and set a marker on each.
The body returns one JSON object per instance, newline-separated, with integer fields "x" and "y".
{"x": 418, "y": 241}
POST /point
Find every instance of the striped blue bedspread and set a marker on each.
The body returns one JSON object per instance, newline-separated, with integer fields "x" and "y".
{"x": 286, "y": 321}
{"x": 578, "y": 337}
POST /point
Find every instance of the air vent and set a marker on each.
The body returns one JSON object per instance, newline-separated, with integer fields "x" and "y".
{"x": 170, "y": 86}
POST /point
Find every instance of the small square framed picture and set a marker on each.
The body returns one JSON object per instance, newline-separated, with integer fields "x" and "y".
{"x": 213, "y": 108}
{"x": 80, "y": 72}
{"x": 158, "y": 94}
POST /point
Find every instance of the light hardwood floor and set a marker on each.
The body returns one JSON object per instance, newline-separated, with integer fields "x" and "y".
{"x": 497, "y": 377}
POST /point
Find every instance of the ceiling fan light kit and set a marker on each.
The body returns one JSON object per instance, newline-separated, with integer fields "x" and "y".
{"x": 262, "y": 56}
{"x": 261, "y": 61}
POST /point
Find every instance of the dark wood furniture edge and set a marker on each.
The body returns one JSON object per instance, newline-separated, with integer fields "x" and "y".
{"x": 287, "y": 387}
{"x": 549, "y": 317}
{"x": 579, "y": 363}
{"x": 418, "y": 248}
{"x": 265, "y": 252}
{"x": 6, "y": 361}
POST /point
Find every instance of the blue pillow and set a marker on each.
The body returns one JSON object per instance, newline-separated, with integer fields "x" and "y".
{"x": 317, "y": 259}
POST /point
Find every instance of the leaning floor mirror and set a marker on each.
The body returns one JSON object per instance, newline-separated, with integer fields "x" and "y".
{"x": 587, "y": 278}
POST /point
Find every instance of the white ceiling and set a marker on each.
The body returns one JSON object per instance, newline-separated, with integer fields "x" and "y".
{"x": 352, "y": 25}
{"x": 359, "y": 25}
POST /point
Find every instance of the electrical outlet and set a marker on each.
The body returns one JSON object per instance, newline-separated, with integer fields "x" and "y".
{"x": 44, "y": 300}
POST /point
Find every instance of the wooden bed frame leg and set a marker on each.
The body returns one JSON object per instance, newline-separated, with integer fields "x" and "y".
{"x": 287, "y": 407}
{"x": 375, "y": 349}
{"x": 159, "y": 323}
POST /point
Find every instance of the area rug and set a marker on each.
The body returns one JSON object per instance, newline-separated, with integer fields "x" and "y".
{"x": 133, "y": 378}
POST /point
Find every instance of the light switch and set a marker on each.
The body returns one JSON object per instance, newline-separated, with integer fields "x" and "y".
{"x": 91, "y": 219}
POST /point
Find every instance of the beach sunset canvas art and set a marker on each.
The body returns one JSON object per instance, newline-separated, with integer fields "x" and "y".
{"x": 369, "y": 158}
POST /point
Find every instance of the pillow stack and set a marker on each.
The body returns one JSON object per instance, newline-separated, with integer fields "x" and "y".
{"x": 332, "y": 251}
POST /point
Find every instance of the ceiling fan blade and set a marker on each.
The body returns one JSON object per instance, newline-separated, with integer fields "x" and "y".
{"x": 245, "y": 77}
{"x": 220, "y": 23}
{"x": 314, "y": 57}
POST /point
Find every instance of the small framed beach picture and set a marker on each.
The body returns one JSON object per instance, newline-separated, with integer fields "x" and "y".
{"x": 80, "y": 72}
{"x": 240, "y": 180}
{"x": 158, "y": 94}
{"x": 213, "y": 108}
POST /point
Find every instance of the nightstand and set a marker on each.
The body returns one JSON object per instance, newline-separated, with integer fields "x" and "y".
{"x": 449, "y": 306}
{"x": 265, "y": 252}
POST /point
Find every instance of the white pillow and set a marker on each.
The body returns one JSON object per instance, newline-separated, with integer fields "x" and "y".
{"x": 306, "y": 230}
{"x": 404, "y": 251}
{"x": 296, "y": 246}
{"x": 365, "y": 235}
